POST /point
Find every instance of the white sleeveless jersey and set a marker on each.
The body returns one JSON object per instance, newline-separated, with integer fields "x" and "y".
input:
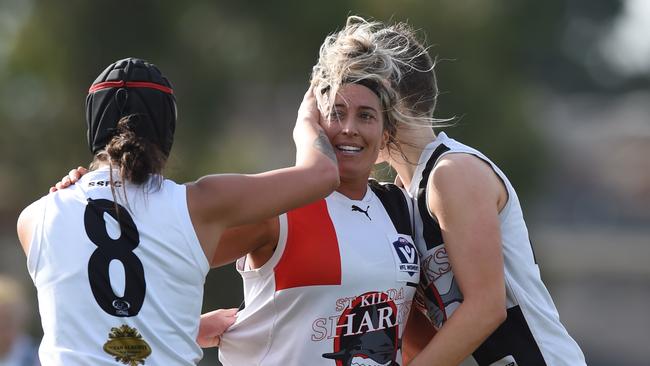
{"x": 112, "y": 294}
{"x": 532, "y": 333}
{"x": 337, "y": 290}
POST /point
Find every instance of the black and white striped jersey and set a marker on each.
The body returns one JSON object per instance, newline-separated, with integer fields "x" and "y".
{"x": 532, "y": 333}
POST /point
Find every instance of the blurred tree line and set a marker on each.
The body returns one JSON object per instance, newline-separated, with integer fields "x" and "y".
{"x": 488, "y": 52}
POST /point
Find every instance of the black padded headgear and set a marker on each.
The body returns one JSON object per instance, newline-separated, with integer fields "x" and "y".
{"x": 131, "y": 87}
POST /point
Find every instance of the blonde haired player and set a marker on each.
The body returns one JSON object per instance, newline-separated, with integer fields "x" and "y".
{"x": 480, "y": 284}
{"x": 332, "y": 283}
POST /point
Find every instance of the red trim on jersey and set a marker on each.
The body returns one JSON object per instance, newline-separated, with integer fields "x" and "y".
{"x": 438, "y": 299}
{"x": 311, "y": 255}
{"x": 129, "y": 84}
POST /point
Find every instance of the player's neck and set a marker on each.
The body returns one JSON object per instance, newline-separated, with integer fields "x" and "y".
{"x": 412, "y": 140}
{"x": 353, "y": 188}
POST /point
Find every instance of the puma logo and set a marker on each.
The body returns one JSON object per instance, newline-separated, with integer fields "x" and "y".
{"x": 359, "y": 209}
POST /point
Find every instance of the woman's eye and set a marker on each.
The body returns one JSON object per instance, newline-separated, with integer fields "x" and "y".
{"x": 366, "y": 116}
{"x": 335, "y": 116}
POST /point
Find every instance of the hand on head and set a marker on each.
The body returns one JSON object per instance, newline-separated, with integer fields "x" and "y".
{"x": 308, "y": 120}
{"x": 309, "y": 129}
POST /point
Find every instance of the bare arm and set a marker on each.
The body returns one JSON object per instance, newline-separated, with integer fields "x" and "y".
{"x": 217, "y": 202}
{"x": 464, "y": 195}
{"x": 25, "y": 226}
{"x": 26, "y": 220}
{"x": 259, "y": 238}
{"x": 259, "y": 241}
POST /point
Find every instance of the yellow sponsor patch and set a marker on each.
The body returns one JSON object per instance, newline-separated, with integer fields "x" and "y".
{"x": 127, "y": 346}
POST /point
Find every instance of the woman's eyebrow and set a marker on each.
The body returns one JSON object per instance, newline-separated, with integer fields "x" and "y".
{"x": 373, "y": 109}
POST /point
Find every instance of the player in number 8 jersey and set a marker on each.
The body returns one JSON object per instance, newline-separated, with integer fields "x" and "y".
{"x": 120, "y": 258}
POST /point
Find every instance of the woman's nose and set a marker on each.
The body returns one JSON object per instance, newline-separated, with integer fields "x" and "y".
{"x": 348, "y": 127}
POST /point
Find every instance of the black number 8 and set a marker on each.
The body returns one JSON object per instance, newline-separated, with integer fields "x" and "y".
{"x": 109, "y": 249}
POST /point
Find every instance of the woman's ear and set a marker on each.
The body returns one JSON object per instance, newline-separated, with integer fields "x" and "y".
{"x": 384, "y": 140}
{"x": 383, "y": 148}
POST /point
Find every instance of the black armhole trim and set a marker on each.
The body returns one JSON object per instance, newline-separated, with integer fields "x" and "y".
{"x": 512, "y": 338}
{"x": 431, "y": 230}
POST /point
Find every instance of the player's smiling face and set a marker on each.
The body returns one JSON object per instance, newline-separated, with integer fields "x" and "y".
{"x": 356, "y": 129}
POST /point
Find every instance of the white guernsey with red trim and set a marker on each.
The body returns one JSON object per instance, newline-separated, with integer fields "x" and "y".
{"x": 337, "y": 290}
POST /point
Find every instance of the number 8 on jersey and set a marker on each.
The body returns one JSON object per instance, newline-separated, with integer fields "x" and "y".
{"x": 109, "y": 249}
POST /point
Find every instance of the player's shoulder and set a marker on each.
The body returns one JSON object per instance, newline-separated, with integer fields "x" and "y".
{"x": 382, "y": 186}
{"x": 28, "y": 219}
{"x": 35, "y": 207}
{"x": 460, "y": 166}
{"x": 386, "y": 190}
{"x": 456, "y": 173}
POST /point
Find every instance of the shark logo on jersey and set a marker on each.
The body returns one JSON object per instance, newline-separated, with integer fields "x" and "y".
{"x": 438, "y": 285}
{"x": 367, "y": 333}
{"x": 437, "y": 302}
{"x": 407, "y": 255}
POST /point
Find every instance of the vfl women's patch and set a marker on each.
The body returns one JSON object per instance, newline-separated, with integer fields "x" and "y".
{"x": 406, "y": 257}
